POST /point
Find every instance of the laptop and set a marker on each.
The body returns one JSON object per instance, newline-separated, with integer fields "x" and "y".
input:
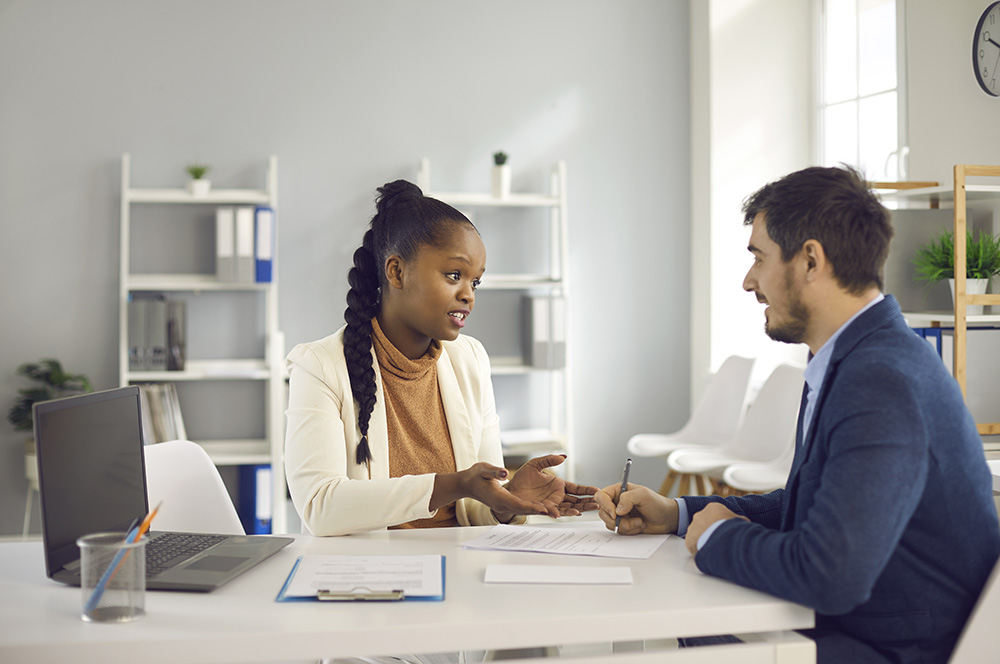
{"x": 91, "y": 478}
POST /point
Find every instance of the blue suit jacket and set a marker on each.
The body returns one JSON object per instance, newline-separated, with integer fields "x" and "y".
{"x": 886, "y": 526}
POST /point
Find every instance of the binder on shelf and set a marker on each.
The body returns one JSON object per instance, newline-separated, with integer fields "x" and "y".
{"x": 544, "y": 325}
{"x": 255, "y": 499}
{"x": 225, "y": 244}
{"x": 156, "y": 334}
{"x": 137, "y": 320}
{"x": 244, "y": 245}
{"x": 264, "y": 243}
{"x": 317, "y": 578}
{"x": 176, "y": 334}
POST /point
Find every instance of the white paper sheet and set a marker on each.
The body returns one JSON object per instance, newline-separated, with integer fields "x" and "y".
{"x": 416, "y": 576}
{"x": 568, "y": 541}
{"x": 558, "y": 574}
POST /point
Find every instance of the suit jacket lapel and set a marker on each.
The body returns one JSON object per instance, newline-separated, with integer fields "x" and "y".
{"x": 456, "y": 412}
{"x": 879, "y": 315}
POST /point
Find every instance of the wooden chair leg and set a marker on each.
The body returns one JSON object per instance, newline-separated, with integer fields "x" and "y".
{"x": 668, "y": 483}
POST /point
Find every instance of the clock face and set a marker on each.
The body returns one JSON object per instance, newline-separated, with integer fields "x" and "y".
{"x": 986, "y": 50}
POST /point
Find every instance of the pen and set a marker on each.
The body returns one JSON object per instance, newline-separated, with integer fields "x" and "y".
{"x": 134, "y": 535}
{"x": 628, "y": 466}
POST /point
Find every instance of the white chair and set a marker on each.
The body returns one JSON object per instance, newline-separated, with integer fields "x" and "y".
{"x": 766, "y": 436}
{"x": 713, "y": 421}
{"x": 759, "y": 477}
{"x": 980, "y": 640}
{"x": 194, "y": 499}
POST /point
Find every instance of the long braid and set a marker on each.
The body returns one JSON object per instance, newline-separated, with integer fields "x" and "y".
{"x": 362, "y": 305}
{"x": 404, "y": 221}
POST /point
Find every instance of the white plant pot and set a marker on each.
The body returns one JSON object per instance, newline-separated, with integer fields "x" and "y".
{"x": 199, "y": 187}
{"x": 501, "y": 181}
{"x": 972, "y": 287}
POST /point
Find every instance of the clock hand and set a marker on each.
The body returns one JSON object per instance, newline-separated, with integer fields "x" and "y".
{"x": 990, "y": 40}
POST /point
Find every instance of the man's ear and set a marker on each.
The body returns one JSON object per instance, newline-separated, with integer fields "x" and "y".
{"x": 394, "y": 271}
{"x": 815, "y": 259}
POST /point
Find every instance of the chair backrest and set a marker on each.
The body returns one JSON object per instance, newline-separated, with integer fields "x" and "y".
{"x": 768, "y": 429}
{"x": 195, "y": 500}
{"x": 719, "y": 412}
{"x": 980, "y": 640}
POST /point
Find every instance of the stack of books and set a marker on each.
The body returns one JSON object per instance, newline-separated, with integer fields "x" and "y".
{"x": 161, "y": 413}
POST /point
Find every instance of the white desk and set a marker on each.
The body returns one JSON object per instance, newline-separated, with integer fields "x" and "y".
{"x": 39, "y": 619}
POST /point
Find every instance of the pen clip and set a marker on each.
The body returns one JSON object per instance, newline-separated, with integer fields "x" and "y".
{"x": 359, "y": 593}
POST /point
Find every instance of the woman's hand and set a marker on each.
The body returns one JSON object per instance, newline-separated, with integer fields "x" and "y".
{"x": 481, "y": 481}
{"x": 560, "y": 498}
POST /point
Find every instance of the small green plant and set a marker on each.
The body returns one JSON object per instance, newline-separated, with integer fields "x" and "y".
{"x": 197, "y": 171}
{"x": 499, "y": 158}
{"x": 53, "y": 383}
{"x": 935, "y": 260}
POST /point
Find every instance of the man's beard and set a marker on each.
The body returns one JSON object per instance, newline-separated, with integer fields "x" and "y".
{"x": 792, "y": 331}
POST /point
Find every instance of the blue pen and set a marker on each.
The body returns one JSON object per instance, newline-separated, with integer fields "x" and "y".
{"x": 95, "y": 596}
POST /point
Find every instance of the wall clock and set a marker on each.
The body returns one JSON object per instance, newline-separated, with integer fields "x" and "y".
{"x": 986, "y": 50}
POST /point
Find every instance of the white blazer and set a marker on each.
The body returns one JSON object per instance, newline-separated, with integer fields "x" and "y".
{"x": 333, "y": 494}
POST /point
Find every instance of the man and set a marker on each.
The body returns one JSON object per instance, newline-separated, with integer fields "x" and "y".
{"x": 886, "y": 526}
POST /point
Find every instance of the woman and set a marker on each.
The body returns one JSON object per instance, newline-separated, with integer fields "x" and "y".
{"x": 391, "y": 420}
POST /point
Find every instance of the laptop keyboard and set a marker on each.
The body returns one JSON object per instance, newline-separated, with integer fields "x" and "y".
{"x": 168, "y": 550}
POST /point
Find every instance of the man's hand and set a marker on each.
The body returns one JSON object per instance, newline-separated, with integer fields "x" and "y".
{"x": 703, "y": 519}
{"x": 561, "y": 498}
{"x": 641, "y": 509}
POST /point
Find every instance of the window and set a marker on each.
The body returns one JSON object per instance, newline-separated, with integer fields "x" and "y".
{"x": 860, "y": 93}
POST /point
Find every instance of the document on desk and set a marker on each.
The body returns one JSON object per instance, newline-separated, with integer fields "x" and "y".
{"x": 347, "y": 578}
{"x": 567, "y": 541}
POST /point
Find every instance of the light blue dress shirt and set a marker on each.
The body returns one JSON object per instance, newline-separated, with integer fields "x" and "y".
{"x": 814, "y": 374}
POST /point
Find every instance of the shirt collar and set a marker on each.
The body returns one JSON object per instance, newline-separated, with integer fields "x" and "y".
{"x": 816, "y": 368}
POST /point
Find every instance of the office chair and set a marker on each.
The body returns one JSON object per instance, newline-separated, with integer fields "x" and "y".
{"x": 713, "y": 422}
{"x": 182, "y": 475}
{"x": 743, "y": 478}
{"x": 766, "y": 435}
{"x": 980, "y": 640}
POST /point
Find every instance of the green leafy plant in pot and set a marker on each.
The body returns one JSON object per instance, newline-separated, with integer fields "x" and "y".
{"x": 198, "y": 185}
{"x": 935, "y": 261}
{"x": 51, "y": 382}
{"x": 500, "y": 176}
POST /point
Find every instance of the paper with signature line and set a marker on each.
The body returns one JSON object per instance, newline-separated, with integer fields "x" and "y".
{"x": 567, "y": 541}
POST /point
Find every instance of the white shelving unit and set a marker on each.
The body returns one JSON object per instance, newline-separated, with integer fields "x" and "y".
{"x": 556, "y": 435}
{"x": 269, "y": 368}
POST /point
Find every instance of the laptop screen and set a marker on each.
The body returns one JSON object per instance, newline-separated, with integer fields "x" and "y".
{"x": 90, "y": 468}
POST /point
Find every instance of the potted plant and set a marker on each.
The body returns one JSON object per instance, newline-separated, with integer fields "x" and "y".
{"x": 51, "y": 382}
{"x": 501, "y": 175}
{"x": 198, "y": 185}
{"x": 935, "y": 261}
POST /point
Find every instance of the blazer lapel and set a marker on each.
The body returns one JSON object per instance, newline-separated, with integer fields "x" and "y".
{"x": 455, "y": 411}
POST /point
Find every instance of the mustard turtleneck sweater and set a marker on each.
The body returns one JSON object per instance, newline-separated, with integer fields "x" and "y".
{"x": 419, "y": 441}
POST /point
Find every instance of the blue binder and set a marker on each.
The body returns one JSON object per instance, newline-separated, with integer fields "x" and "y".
{"x": 264, "y": 238}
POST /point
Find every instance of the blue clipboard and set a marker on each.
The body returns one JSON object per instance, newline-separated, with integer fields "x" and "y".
{"x": 368, "y": 593}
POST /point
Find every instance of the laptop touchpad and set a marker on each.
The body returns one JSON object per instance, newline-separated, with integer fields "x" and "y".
{"x": 216, "y": 563}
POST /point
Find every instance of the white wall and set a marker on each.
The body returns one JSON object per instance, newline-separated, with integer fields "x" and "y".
{"x": 752, "y": 123}
{"x": 350, "y": 95}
